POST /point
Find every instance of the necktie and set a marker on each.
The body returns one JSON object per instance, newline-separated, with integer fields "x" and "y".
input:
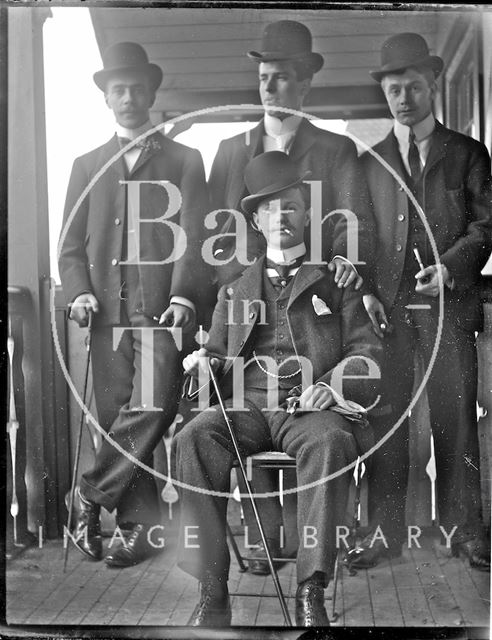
{"x": 283, "y": 270}
{"x": 124, "y": 141}
{"x": 413, "y": 157}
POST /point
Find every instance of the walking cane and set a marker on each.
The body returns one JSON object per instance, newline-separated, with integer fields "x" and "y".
{"x": 79, "y": 438}
{"x": 273, "y": 571}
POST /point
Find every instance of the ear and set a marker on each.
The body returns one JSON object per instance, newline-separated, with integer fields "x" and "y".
{"x": 106, "y": 100}
{"x": 254, "y": 221}
{"x": 152, "y": 99}
{"x": 305, "y": 87}
{"x": 307, "y": 221}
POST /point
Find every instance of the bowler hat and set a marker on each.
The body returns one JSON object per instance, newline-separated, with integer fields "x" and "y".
{"x": 287, "y": 40}
{"x": 127, "y": 56}
{"x": 267, "y": 174}
{"x": 405, "y": 50}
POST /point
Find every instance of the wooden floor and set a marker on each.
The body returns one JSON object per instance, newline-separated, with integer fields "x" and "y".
{"x": 425, "y": 588}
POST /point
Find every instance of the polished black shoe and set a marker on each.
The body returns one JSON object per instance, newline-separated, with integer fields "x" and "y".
{"x": 214, "y": 608}
{"x": 86, "y": 525}
{"x": 257, "y": 558}
{"x": 135, "y": 549}
{"x": 477, "y": 550}
{"x": 367, "y": 555}
{"x": 310, "y": 608}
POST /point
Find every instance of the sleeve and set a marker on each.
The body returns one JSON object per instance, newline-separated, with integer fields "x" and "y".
{"x": 362, "y": 353}
{"x": 72, "y": 257}
{"x": 350, "y": 192}
{"x": 192, "y": 277}
{"x": 468, "y": 255}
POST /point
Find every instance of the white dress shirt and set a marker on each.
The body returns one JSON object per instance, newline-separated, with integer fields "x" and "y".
{"x": 423, "y": 134}
{"x": 279, "y": 134}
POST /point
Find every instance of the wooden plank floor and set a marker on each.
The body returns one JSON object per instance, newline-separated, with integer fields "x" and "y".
{"x": 424, "y": 588}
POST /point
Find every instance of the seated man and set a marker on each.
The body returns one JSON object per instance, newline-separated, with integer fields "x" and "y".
{"x": 299, "y": 335}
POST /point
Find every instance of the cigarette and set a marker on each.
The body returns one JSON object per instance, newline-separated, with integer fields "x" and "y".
{"x": 418, "y": 258}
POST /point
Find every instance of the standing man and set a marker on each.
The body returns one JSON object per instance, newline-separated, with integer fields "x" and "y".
{"x": 130, "y": 254}
{"x": 449, "y": 175}
{"x": 286, "y": 65}
{"x": 277, "y": 348}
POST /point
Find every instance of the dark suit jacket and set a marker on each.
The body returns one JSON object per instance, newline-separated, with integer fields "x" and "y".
{"x": 457, "y": 203}
{"x": 330, "y": 157}
{"x": 325, "y": 340}
{"x": 95, "y": 239}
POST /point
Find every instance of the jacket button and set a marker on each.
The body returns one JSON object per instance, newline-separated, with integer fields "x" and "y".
{"x": 398, "y": 247}
{"x": 400, "y": 188}
{"x": 401, "y": 217}
{"x": 241, "y": 343}
{"x": 281, "y": 336}
{"x": 117, "y": 221}
{"x": 251, "y": 315}
{"x": 395, "y": 276}
{"x": 114, "y": 262}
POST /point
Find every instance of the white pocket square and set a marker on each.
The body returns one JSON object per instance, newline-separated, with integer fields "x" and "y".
{"x": 320, "y": 307}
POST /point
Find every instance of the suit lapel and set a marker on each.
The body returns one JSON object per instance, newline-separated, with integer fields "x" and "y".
{"x": 437, "y": 149}
{"x": 304, "y": 139}
{"x": 390, "y": 152}
{"x": 253, "y": 145}
{"x": 155, "y": 144}
{"x": 109, "y": 150}
{"x": 305, "y": 277}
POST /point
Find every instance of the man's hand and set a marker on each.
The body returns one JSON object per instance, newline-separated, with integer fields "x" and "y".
{"x": 197, "y": 361}
{"x": 431, "y": 285}
{"x": 79, "y": 309}
{"x": 376, "y": 313}
{"x": 178, "y": 315}
{"x": 345, "y": 274}
{"x": 316, "y": 398}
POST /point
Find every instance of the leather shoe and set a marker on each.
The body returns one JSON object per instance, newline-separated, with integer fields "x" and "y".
{"x": 367, "y": 555}
{"x": 257, "y": 558}
{"x": 310, "y": 608}
{"x": 86, "y": 526}
{"x": 214, "y": 608}
{"x": 477, "y": 550}
{"x": 134, "y": 550}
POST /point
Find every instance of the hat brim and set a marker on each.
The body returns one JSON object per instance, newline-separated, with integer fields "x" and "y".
{"x": 249, "y": 203}
{"x": 315, "y": 60}
{"x": 433, "y": 62}
{"x": 153, "y": 71}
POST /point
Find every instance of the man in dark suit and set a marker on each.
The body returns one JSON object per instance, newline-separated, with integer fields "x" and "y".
{"x": 448, "y": 175}
{"x": 286, "y": 65}
{"x": 293, "y": 308}
{"x": 130, "y": 254}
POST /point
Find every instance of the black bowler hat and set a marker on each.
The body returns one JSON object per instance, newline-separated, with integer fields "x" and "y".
{"x": 127, "y": 56}
{"x": 405, "y": 50}
{"x": 268, "y": 174}
{"x": 287, "y": 40}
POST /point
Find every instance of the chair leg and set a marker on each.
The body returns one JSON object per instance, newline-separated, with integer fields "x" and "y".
{"x": 232, "y": 541}
{"x": 334, "y": 614}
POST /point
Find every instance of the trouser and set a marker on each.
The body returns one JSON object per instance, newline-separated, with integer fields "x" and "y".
{"x": 323, "y": 445}
{"x": 451, "y": 384}
{"x": 123, "y": 385}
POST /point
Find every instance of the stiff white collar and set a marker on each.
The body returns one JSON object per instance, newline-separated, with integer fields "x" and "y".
{"x": 131, "y": 134}
{"x": 281, "y": 256}
{"x": 422, "y": 129}
{"x": 275, "y": 127}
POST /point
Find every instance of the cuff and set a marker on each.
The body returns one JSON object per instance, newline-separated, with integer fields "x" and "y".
{"x": 184, "y": 302}
{"x": 347, "y": 261}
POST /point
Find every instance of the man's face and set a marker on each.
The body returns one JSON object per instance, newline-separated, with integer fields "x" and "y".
{"x": 279, "y": 87}
{"x": 282, "y": 218}
{"x": 409, "y": 96}
{"x": 129, "y": 95}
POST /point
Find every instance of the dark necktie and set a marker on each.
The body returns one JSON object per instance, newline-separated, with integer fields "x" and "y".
{"x": 283, "y": 271}
{"x": 124, "y": 141}
{"x": 413, "y": 157}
